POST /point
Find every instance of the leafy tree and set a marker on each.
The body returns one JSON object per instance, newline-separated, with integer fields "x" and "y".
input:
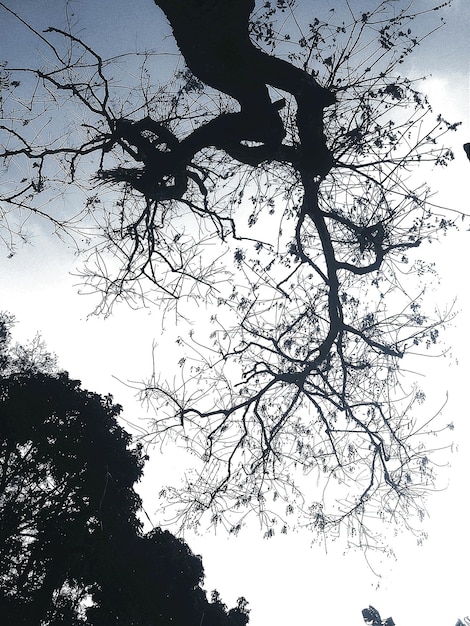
{"x": 71, "y": 547}
{"x": 155, "y": 579}
{"x": 300, "y": 380}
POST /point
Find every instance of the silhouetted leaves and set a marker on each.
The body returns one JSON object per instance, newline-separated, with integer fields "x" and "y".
{"x": 71, "y": 547}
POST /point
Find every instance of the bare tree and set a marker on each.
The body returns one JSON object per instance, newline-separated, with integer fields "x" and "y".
{"x": 295, "y": 407}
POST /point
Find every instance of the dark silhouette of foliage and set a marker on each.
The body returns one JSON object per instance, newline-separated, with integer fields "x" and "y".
{"x": 372, "y": 618}
{"x": 71, "y": 547}
{"x": 296, "y": 234}
{"x": 155, "y": 579}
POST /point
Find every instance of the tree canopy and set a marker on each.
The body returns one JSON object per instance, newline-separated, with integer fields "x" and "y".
{"x": 72, "y": 549}
{"x": 268, "y": 180}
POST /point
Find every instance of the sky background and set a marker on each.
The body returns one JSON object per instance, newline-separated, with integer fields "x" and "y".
{"x": 285, "y": 579}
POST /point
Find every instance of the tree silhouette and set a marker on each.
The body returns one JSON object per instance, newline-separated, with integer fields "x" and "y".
{"x": 308, "y": 191}
{"x": 71, "y": 547}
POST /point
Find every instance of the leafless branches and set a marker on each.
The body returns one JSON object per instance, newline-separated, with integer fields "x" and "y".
{"x": 294, "y": 407}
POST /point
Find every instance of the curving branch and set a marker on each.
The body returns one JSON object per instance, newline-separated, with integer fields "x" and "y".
{"x": 292, "y": 219}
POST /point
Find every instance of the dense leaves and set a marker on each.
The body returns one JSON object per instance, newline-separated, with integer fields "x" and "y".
{"x": 71, "y": 547}
{"x": 66, "y": 480}
{"x": 155, "y": 579}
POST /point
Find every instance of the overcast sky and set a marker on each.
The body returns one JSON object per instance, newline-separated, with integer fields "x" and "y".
{"x": 285, "y": 579}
